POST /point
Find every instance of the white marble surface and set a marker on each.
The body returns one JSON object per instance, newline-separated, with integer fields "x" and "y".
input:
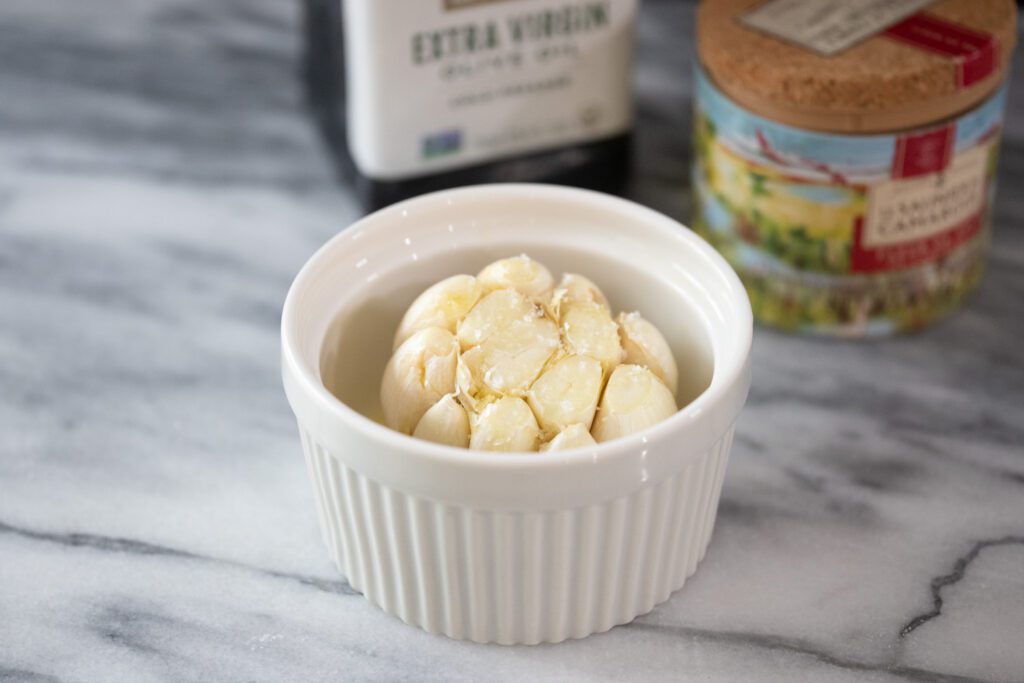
{"x": 160, "y": 185}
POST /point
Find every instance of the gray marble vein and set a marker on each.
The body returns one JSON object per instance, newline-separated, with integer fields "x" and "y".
{"x": 161, "y": 183}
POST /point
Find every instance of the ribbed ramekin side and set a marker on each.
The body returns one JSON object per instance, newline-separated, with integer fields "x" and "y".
{"x": 722, "y": 461}
{"x": 323, "y": 506}
{"x": 699, "y": 497}
{"x": 516, "y": 577}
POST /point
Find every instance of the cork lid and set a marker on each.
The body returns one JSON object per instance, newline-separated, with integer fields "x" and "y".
{"x": 901, "y": 75}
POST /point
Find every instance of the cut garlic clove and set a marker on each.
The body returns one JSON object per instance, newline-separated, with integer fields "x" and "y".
{"x": 445, "y": 422}
{"x": 645, "y": 345}
{"x": 507, "y": 424}
{"x": 495, "y": 314}
{"x": 573, "y": 436}
{"x": 588, "y": 330}
{"x": 574, "y": 287}
{"x": 566, "y": 393}
{"x": 633, "y": 400}
{"x": 510, "y": 369}
{"x": 521, "y": 273}
{"x": 507, "y": 341}
{"x": 420, "y": 372}
{"x": 442, "y": 305}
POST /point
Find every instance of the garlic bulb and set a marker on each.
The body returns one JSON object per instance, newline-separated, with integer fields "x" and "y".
{"x": 506, "y": 362}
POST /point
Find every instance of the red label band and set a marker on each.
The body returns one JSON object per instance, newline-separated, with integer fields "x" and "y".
{"x": 922, "y": 153}
{"x": 909, "y": 254}
{"x": 974, "y": 52}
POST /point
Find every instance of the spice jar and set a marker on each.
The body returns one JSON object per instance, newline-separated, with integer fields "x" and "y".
{"x": 845, "y": 154}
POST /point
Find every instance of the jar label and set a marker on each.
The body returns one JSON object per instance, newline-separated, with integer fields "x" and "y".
{"x": 920, "y": 217}
{"x": 780, "y": 200}
{"x": 829, "y": 26}
{"x": 439, "y": 84}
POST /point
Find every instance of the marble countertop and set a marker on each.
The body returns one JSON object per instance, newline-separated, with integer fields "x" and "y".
{"x": 161, "y": 183}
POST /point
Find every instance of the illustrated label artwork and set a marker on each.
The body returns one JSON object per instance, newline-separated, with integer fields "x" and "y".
{"x": 785, "y": 200}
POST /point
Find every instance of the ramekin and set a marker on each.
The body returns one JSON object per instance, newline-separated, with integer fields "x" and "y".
{"x": 514, "y": 548}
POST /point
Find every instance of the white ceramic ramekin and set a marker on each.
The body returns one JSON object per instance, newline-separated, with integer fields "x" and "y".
{"x": 513, "y": 548}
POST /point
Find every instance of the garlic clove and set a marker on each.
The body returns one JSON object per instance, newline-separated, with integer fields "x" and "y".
{"x": 633, "y": 400}
{"x": 508, "y": 424}
{"x": 420, "y": 372}
{"x": 511, "y": 369}
{"x": 574, "y": 287}
{"x": 566, "y": 393}
{"x": 495, "y": 314}
{"x": 441, "y": 305}
{"x": 506, "y": 341}
{"x": 445, "y": 422}
{"x": 644, "y": 345}
{"x": 521, "y": 273}
{"x": 588, "y": 330}
{"x": 573, "y": 436}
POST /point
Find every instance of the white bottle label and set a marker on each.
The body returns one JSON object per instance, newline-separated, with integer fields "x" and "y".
{"x": 829, "y": 26}
{"x": 439, "y": 84}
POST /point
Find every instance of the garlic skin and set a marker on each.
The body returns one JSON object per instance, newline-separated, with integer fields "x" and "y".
{"x": 521, "y": 273}
{"x": 566, "y": 394}
{"x": 575, "y": 287}
{"x": 470, "y": 390}
{"x": 445, "y": 422}
{"x": 588, "y": 330}
{"x": 506, "y": 425}
{"x": 644, "y": 345}
{"x": 573, "y": 436}
{"x": 420, "y": 372}
{"x": 633, "y": 400}
{"x": 441, "y": 305}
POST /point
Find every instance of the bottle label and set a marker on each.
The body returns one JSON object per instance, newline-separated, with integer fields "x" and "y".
{"x": 439, "y": 84}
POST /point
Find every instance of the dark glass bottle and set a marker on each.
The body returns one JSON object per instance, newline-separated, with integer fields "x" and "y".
{"x": 429, "y": 94}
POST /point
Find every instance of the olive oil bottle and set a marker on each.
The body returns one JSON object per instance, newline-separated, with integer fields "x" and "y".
{"x": 418, "y": 95}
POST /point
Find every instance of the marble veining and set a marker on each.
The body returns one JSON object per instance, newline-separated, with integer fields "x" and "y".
{"x": 161, "y": 183}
